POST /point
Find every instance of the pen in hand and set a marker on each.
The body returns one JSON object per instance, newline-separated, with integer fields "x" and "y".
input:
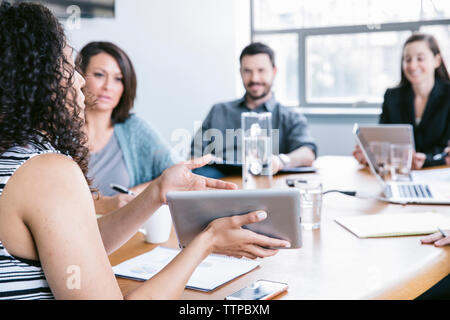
{"x": 440, "y": 156}
{"x": 442, "y": 232}
{"x": 121, "y": 189}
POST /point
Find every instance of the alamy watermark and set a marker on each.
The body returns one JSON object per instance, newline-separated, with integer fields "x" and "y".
{"x": 73, "y": 281}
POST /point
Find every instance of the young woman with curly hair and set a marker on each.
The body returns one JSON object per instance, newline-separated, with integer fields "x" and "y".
{"x": 48, "y": 226}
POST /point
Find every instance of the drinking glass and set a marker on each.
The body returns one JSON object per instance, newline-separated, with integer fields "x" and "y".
{"x": 380, "y": 150}
{"x": 256, "y": 150}
{"x": 401, "y": 161}
{"x": 310, "y": 203}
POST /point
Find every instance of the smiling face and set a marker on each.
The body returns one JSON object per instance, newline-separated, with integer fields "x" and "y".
{"x": 257, "y": 74}
{"x": 419, "y": 63}
{"x": 104, "y": 83}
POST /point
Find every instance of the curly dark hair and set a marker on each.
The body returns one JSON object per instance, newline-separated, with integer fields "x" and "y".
{"x": 36, "y": 83}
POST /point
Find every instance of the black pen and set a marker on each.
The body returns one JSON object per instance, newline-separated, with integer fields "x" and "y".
{"x": 442, "y": 232}
{"x": 440, "y": 156}
{"x": 121, "y": 189}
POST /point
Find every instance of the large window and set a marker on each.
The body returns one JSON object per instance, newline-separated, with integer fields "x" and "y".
{"x": 343, "y": 53}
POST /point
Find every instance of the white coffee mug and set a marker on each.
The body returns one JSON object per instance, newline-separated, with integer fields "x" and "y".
{"x": 158, "y": 227}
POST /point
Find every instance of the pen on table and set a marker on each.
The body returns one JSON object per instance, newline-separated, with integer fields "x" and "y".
{"x": 442, "y": 232}
{"x": 121, "y": 189}
{"x": 440, "y": 156}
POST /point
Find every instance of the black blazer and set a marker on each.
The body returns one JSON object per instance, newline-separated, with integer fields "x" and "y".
{"x": 433, "y": 132}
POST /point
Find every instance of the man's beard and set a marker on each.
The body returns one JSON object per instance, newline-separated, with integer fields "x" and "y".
{"x": 264, "y": 94}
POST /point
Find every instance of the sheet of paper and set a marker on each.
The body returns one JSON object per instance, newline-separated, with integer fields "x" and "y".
{"x": 389, "y": 225}
{"x": 431, "y": 175}
{"x": 214, "y": 271}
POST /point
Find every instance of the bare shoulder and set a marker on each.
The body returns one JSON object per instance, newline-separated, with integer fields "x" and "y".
{"x": 46, "y": 180}
{"x": 51, "y": 164}
{"x": 43, "y": 188}
{"x": 52, "y": 201}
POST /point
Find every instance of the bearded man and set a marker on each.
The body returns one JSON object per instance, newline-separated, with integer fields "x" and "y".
{"x": 294, "y": 145}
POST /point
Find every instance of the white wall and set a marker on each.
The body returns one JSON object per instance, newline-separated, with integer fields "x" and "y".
{"x": 184, "y": 52}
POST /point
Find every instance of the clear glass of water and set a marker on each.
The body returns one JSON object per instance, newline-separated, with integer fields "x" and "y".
{"x": 401, "y": 161}
{"x": 310, "y": 203}
{"x": 380, "y": 150}
{"x": 256, "y": 150}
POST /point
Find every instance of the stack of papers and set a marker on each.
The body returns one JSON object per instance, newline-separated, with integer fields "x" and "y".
{"x": 214, "y": 271}
{"x": 391, "y": 225}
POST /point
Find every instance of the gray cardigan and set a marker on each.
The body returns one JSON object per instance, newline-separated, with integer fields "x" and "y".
{"x": 145, "y": 153}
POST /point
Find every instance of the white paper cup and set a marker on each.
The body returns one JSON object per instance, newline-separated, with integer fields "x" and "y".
{"x": 158, "y": 227}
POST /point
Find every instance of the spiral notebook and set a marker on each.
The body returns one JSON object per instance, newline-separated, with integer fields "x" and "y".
{"x": 211, "y": 273}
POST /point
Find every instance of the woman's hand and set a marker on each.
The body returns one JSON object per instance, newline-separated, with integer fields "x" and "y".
{"x": 229, "y": 238}
{"x": 105, "y": 204}
{"x": 180, "y": 178}
{"x": 418, "y": 160}
{"x": 447, "y": 158}
{"x": 437, "y": 239}
{"x": 359, "y": 155}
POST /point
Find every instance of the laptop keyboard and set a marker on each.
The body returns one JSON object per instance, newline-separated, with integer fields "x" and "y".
{"x": 414, "y": 191}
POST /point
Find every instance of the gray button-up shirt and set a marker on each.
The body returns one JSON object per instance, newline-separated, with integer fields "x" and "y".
{"x": 219, "y": 130}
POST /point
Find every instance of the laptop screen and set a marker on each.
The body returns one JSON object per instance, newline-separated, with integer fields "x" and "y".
{"x": 370, "y": 157}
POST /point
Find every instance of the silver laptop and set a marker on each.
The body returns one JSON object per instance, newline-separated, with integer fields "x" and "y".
{"x": 392, "y": 133}
{"x": 403, "y": 192}
{"x": 192, "y": 211}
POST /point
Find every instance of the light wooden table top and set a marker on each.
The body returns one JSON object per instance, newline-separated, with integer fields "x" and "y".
{"x": 333, "y": 263}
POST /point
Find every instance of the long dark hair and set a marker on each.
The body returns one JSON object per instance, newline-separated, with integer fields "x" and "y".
{"x": 37, "y": 97}
{"x": 440, "y": 72}
{"x": 122, "y": 111}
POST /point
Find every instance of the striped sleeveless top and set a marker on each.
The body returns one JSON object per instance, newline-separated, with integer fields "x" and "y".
{"x": 21, "y": 279}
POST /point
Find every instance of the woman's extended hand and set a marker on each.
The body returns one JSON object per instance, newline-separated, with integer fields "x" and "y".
{"x": 418, "y": 160}
{"x": 180, "y": 178}
{"x": 437, "y": 239}
{"x": 359, "y": 155}
{"x": 229, "y": 238}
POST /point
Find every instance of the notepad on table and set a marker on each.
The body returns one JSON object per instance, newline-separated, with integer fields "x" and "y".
{"x": 211, "y": 273}
{"x": 431, "y": 175}
{"x": 392, "y": 225}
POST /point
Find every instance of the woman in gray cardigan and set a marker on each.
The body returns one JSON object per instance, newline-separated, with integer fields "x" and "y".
{"x": 124, "y": 149}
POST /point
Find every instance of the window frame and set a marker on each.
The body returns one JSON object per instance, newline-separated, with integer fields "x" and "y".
{"x": 303, "y": 33}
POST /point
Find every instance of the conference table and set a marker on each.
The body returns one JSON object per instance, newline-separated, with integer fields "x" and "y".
{"x": 333, "y": 263}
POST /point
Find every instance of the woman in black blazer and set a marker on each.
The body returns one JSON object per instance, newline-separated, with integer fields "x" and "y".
{"x": 421, "y": 99}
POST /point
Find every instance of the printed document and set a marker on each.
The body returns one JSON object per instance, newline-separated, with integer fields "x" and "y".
{"x": 214, "y": 271}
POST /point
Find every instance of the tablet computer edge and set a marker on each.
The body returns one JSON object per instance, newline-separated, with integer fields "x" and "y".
{"x": 192, "y": 211}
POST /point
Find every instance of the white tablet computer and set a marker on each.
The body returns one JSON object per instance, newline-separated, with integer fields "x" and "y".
{"x": 192, "y": 211}
{"x": 392, "y": 133}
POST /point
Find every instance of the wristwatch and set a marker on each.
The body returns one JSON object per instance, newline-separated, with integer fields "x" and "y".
{"x": 285, "y": 160}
